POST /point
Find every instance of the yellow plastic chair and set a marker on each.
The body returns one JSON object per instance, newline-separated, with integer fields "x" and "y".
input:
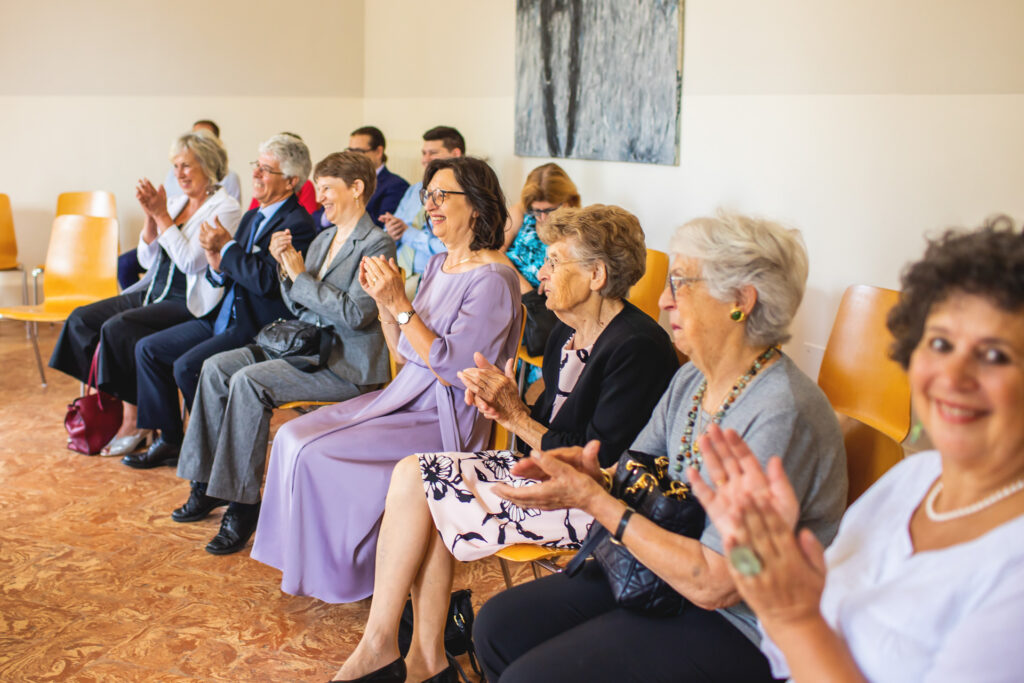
{"x": 868, "y": 389}
{"x": 96, "y": 203}
{"x": 81, "y": 267}
{"x": 646, "y": 292}
{"x": 9, "y": 246}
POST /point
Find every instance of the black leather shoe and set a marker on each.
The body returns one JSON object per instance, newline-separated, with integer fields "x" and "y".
{"x": 390, "y": 673}
{"x": 160, "y": 453}
{"x": 236, "y": 528}
{"x": 198, "y": 504}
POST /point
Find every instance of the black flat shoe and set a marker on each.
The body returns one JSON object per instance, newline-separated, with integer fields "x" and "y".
{"x": 389, "y": 673}
{"x": 198, "y": 505}
{"x": 445, "y": 675}
{"x": 236, "y": 528}
{"x": 160, "y": 453}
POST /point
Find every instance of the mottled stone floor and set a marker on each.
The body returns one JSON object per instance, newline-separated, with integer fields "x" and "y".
{"x": 98, "y": 584}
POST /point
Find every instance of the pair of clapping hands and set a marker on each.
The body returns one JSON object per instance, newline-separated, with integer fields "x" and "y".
{"x": 754, "y": 509}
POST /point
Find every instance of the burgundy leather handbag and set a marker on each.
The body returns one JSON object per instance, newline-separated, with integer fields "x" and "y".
{"x": 93, "y": 420}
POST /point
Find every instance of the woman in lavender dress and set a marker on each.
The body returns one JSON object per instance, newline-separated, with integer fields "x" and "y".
{"x": 329, "y": 471}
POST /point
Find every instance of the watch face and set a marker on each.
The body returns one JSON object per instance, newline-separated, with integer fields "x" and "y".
{"x": 404, "y": 317}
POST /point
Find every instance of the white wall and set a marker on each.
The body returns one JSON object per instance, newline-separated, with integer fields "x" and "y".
{"x": 864, "y": 124}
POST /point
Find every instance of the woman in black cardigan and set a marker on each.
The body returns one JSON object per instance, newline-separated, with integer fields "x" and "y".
{"x": 605, "y": 367}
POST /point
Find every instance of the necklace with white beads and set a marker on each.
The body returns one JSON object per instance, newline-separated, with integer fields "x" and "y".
{"x": 929, "y": 502}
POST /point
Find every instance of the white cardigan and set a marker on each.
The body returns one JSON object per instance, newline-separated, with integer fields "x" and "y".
{"x": 182, "y": 245}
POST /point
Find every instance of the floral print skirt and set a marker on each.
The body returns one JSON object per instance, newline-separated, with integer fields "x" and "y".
{"x": 474, "y": 522}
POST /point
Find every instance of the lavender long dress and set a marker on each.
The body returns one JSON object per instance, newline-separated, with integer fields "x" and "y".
{"x": 329, "y": 470}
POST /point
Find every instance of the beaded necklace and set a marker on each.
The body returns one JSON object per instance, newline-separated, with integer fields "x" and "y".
{"x": 689, "y": 451}
{"x": 935, "y": 516}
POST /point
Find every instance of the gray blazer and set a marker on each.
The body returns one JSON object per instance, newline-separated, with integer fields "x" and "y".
{"x": 358, "y": 352}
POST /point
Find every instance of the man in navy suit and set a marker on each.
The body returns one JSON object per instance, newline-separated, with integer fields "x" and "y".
{"x": 245, "y": 270}
{"x": 370, "y": 141}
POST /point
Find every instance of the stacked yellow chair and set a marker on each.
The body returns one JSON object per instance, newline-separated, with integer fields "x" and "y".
{"x": 9, "y": 246}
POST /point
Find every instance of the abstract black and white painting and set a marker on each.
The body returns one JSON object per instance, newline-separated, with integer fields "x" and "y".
{"x": 599, "y": 79}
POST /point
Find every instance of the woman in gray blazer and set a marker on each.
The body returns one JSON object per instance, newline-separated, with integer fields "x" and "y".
{"x": 225, "y": 446}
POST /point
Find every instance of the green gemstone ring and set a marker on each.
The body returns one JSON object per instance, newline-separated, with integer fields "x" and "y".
{"x": 745, "y": 561}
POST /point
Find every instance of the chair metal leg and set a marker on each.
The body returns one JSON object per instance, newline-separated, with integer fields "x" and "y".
{"x": 505, "y": 572}
{"x": 39, "y": 359}
{"x": 24, "y": 299}
{"x": 536, "y": 574}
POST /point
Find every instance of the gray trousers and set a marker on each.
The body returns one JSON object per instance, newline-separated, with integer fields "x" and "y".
{"x": 226, "y": 441}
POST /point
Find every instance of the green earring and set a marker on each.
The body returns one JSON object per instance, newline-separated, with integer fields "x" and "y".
{"x": 737, "y": 315}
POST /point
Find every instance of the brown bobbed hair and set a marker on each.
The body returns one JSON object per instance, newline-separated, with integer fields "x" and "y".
{"x": 549, "y": 183}
{"x": 603, "y": 233}
{"x": 987, "y": 262}
{"x": 483, "y": 192}
{"x": 349, "y": 167}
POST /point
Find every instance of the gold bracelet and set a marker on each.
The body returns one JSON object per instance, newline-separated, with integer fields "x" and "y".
{"x": 386, "y": 322}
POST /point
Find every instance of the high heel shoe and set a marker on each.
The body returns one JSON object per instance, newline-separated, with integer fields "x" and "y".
{"x": 389, "y": 673}
{"x": 127, "y": 444}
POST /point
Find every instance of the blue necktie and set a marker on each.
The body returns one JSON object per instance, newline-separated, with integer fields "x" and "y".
{"x": 227, "y": 306}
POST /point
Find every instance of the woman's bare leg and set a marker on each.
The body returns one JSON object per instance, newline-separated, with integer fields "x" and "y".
{"x": 430, "y": 598}
{"x": 405, "y": 535}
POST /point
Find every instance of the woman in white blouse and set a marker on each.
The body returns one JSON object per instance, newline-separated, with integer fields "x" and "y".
{"x": 925, "y": 579}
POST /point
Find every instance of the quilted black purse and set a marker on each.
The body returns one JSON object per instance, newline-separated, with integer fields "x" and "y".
{"x": 292, "y": 339}
{"x": 642, "y": 482}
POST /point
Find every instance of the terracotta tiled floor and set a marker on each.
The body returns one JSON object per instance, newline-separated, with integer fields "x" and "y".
{"x": 98, "y": 584}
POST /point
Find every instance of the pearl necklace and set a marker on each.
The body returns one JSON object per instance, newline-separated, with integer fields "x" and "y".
{"x": 929, "y": 502}
{"x": 689, "y": 451}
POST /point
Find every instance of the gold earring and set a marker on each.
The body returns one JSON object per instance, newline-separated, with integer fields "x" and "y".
{"x": 737, "y": 315}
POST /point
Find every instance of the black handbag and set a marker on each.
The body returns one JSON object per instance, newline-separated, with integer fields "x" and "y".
{"x": 291, "y": 339}
{"x": 642, "y": 482}
{"x": 539, "y": 323}
{"x": 458, "y": 631}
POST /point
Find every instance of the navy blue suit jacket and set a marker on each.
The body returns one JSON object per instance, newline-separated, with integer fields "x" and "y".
{"x": 385, "y": 199}
{"x": 258, "y": 295}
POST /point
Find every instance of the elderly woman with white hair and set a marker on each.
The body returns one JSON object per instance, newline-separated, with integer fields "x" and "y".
{"x": 734, "y": 286}
{"x": 173, "y": 289}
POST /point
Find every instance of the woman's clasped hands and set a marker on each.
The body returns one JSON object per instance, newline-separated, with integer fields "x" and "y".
{"x": 285, "y": 254}
{"x": 381, "y": 278}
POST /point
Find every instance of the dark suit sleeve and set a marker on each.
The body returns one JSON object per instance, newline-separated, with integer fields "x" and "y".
{"x": 392, "y": 194}
{"x": 257, "y": 272}
{"x": 636, "y": 375}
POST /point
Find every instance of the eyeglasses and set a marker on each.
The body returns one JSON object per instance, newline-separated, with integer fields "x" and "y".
{"x": 358, "y": 149}
{"x": 437, "y": 196}
{"x": 265, "y": 170}
{"x": 553, "y": 264}
{"x": 542, "y": 213}
{"x": 675, "y": 282}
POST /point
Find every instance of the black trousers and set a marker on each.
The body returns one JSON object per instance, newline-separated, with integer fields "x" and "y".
{"x": 559, "y": 628}
{"x": 170, "y": 360}
{"x": 116, "y": 325}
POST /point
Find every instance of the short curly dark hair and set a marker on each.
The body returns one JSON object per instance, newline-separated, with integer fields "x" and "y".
{"x": 987, "y": 262}
{"x": 483, "y": 192}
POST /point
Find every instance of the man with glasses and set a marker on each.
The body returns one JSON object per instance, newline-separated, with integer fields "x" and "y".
{"x": 248, "y": 275}
{"x": 409, "y": 225}
{"x": 369, "y": 141}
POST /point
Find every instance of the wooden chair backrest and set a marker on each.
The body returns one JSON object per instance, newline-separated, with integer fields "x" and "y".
{"x": 95, "y": 203}
{"x": 81, "y": 259}
{"x": 8, "y": 240}
{"x": 646, "y": 292}
{"x": 865, "y": 386}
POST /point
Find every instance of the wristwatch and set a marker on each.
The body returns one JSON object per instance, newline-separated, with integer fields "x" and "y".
{"x": 404, "y": 317}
